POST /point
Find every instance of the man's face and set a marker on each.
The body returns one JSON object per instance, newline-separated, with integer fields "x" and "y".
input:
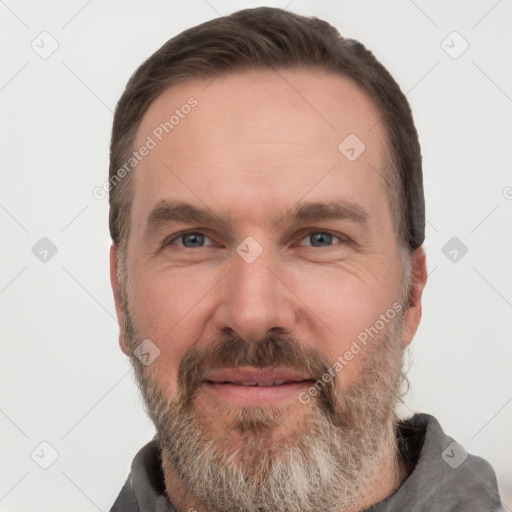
{"x": 250, "y": 231}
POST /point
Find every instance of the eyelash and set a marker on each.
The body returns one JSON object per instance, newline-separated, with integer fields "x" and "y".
{"x": 342, "y": 238}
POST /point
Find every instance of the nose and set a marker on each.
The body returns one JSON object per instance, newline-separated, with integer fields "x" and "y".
{"x": 255, "y": 300}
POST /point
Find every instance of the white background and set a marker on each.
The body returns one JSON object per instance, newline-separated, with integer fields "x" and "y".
{"x": 64, "y": 378}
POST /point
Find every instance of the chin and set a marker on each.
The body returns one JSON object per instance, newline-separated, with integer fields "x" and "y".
{"x": 243, "y": 432}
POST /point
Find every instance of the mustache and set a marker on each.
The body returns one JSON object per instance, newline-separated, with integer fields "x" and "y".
{"x": 274, "y": 350}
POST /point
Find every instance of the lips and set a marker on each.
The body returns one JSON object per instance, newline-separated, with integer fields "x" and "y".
{"x": 261, "y": 377}
{"x": 260, "y": 383}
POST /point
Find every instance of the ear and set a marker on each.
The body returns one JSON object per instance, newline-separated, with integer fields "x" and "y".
{"x": 419, "y": 280}
{"x": 116, "y": 289}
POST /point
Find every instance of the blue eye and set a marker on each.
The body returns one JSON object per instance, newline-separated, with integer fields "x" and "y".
{"x": 319, "y": 239}
{"x": 192, "y": 240}
{"x": 197, "y": 240}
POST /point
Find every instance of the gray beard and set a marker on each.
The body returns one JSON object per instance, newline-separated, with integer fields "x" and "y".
{"x": 331, "y": 461}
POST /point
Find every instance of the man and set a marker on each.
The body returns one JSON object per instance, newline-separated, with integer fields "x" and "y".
{"x": 267, "y": 217}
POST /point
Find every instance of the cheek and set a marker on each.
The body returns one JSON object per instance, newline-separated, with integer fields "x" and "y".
{"x": 350, "y": 312}
{"x": 169, "y": 308}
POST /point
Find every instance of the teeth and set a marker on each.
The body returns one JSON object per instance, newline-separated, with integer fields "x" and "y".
{"x": 262, "y": 384}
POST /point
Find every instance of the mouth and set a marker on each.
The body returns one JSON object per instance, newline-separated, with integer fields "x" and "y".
{"x": 248, "y": 386}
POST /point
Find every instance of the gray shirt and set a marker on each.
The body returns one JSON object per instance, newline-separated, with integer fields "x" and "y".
{"x": 444, "y": 479}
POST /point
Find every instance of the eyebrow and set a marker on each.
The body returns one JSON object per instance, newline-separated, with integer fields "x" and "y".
{"x": 168, "y": 211}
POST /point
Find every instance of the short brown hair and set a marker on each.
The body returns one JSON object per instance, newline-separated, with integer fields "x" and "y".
{"x": 268, "y": 38}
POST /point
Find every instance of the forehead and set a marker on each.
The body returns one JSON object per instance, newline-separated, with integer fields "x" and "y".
{"x": 260, "y": 140}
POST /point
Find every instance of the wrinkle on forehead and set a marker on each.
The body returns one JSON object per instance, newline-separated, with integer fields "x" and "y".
{"x": 260, "y": 138}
